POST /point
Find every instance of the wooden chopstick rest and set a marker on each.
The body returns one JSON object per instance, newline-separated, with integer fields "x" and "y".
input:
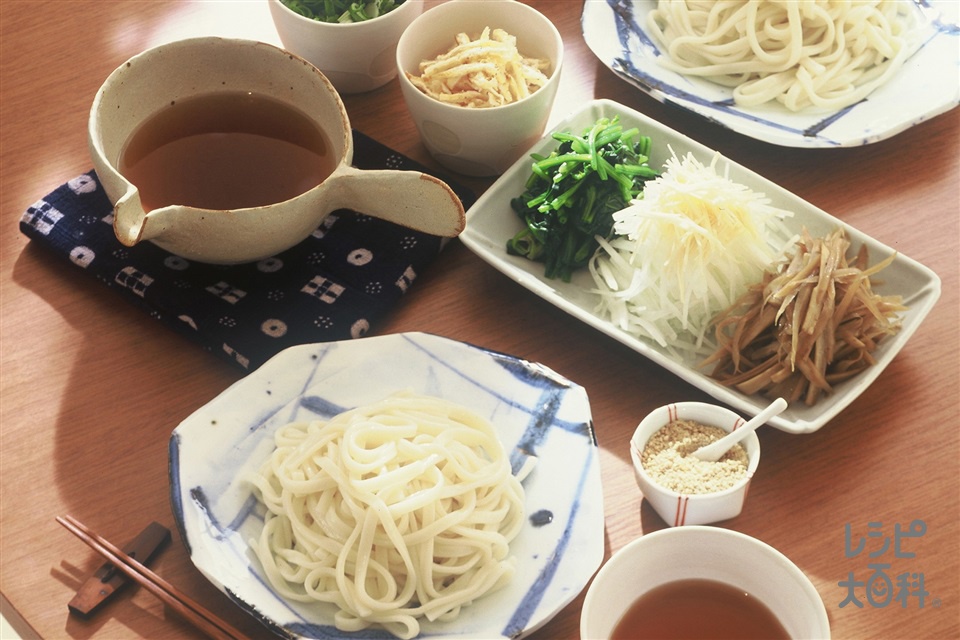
{"x": 202, "y": 618}
{"x": 107, "y": 580}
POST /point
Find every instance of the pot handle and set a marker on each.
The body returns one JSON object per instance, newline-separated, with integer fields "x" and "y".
{"x": 409, "y": 198}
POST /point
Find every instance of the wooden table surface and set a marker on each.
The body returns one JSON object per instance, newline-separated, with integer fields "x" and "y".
{"x": 92, "y": 387}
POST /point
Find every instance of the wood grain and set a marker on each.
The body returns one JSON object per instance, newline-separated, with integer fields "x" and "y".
{"x": 91, "y": 387}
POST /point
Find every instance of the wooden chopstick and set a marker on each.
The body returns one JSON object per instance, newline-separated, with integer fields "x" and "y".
{"x": 194, "y": 612}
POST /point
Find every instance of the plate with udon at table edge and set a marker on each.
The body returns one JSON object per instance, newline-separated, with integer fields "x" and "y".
{"x": 535, "y": 411}
{"x": 926, "y": 85}
{"x": 491, "y": 222}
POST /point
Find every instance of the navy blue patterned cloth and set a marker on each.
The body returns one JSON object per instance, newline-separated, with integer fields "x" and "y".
{"x": 334, "y": 285}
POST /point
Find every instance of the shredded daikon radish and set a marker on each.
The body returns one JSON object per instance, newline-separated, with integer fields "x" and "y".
{"x": 684, "y": 252}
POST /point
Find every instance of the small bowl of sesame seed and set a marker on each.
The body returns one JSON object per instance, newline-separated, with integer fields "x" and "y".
{"x": 681, "y": 488}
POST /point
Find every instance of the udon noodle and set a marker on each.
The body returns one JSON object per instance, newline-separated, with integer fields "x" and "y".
{"x": 803, "y": 53}
{"x": 396, "y": 511}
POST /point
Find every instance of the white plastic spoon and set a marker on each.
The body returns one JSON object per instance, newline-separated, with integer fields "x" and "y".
{"x": 715, "y": 450}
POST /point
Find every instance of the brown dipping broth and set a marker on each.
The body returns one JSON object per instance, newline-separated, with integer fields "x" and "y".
{"x": 227, "y": 150}
{"x": 698, "y": 608}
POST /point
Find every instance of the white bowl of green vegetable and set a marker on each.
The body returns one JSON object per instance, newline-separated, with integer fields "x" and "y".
{"x": 353, "y": 43}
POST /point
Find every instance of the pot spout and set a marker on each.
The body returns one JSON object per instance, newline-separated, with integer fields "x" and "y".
{"x": 129, "y": 219}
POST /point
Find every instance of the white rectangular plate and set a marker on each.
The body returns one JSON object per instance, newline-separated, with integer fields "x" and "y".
{"x": 491, "y": 222}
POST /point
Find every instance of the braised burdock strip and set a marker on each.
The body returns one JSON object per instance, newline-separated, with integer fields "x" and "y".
{"x": 812, "y": 322}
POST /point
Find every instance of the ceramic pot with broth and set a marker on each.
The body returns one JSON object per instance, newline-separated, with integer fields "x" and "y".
{"x": 228, "y": 151}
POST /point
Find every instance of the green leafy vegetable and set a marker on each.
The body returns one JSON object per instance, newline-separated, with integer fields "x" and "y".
{"x": 342, "y": 10}
{"x": 572, "y": 194}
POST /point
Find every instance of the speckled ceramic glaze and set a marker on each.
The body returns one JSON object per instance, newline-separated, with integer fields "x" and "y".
{"x": 615, "y": 30}
{"x": 160, "y": 76}
{"x": 536, "y": 412}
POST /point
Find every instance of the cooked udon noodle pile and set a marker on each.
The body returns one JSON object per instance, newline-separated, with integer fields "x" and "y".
{"x": 803, "y": 53}
{"x": 396, "y": 511}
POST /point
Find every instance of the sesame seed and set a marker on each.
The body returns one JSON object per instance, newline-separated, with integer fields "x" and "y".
{"x": 667, "y": 458}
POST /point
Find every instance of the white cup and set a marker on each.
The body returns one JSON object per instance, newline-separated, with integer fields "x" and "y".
{"x": 479, "y": 141}
{"x": 678, "y": 509}
{"x": 707, "y": 553}
{"x": 355, "y": 56}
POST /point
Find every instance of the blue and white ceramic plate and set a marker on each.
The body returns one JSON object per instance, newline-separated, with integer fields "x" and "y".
{"x": 615, "y": 30}
{"x": 491, "y": 222}
{"x": 536, "y": 411}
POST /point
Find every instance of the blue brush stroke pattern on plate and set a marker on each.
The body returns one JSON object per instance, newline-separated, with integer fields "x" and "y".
{"x": 536, "y": 411}
{"x": 925, "y": 87}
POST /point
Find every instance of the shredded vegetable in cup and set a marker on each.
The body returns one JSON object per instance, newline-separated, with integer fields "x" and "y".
{"x": 488, "y": 71}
